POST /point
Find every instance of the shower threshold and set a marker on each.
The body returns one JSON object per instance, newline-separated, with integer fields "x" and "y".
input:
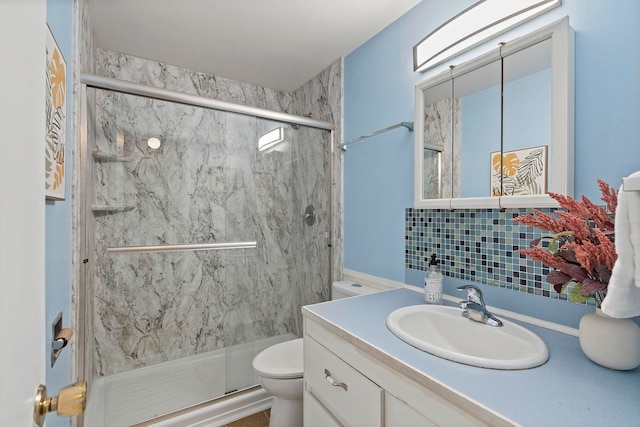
{"x": 170, "y": 393}
{"x": 217, "y": 412}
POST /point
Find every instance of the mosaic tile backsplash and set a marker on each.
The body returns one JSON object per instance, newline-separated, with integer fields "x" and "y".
{"x": 477, "y": 245}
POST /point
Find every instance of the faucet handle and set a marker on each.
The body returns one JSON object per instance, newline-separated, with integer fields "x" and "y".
{"x": 480, "y": 314}
{"x": 474, "y": 294}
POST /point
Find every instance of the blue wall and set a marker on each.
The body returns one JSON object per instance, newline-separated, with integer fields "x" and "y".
{"x": 379, "y": 91}
{"x": 58, "y": 221}
{"x": 479, "y": 135}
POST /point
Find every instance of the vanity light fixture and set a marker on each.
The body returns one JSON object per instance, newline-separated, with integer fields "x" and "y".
{"x": 154, "y": 143}
{"x": 469, "y": 28}
{"x": 271, "y": 139}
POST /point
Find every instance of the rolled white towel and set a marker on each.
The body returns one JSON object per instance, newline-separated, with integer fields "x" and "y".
{"x": 623, "y": 292}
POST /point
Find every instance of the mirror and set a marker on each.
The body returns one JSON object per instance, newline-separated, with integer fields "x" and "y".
{"x": 478, "y": 93}
{"x": 492, "y": 133}
{"x": 526, "y": 122}
{"x": 439, "y": 130}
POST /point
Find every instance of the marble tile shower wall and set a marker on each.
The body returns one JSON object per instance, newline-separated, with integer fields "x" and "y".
{"x": 320, "y": 98}
{"x": 206, "y": 183}
{"x": 477, "y": 245}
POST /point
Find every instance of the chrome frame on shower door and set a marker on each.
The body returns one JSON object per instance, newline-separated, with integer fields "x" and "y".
{"x": 123, "y": 86}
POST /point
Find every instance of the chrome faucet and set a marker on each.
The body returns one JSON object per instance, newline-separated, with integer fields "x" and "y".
{"x": 474, "y": 307}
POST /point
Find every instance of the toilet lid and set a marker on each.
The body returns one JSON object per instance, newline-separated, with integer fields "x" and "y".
{"x": 282, "y": 360}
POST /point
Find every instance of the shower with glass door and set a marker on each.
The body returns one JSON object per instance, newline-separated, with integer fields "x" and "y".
{"x": 198, "y": 253}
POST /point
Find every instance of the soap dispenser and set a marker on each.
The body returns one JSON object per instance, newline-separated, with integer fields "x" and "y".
{"x": 433, "y": 283}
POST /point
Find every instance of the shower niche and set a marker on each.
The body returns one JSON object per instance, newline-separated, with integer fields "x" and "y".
{"x": 110, "y": 159}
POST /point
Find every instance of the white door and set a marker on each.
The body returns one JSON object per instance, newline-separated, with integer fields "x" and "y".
{"x": 22, "y": 124}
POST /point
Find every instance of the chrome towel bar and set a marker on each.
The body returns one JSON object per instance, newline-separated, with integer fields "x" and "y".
{"x": 179, "y": 248}
{"x": 408, "y": 125}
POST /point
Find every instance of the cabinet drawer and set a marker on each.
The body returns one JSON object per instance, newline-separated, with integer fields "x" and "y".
{"x": 315, "y": 415}
{"x": 351, "y": 397}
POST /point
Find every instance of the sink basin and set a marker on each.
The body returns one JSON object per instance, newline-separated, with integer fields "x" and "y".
{"x": 443, "y": 332}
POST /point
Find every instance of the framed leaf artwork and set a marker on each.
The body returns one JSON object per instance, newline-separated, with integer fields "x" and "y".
{"x": 519, "y": 172}
{"x": 56, "y": 117}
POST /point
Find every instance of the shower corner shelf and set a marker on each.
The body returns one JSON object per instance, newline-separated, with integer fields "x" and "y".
{"x": 109, "y": 209}
{"x": 100, "y": 156}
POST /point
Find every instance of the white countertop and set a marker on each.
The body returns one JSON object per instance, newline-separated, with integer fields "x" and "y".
{"x": 569, "y": 390}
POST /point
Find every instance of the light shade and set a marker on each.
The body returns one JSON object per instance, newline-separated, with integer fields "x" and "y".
{"x": 154, "y": 143}
{"x": 483, "y": 20}
{"x": 271, "y": 139}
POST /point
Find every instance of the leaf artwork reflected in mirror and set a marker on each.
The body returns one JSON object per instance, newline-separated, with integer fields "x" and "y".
{"x": 519, "y": 172}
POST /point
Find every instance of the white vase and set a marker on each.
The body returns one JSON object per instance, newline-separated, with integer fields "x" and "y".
{"x": 613, "y": 343}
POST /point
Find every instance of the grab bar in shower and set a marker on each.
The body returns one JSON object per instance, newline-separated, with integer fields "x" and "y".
{"x": 408, "y": 125}
{"x": 179, "y": 248}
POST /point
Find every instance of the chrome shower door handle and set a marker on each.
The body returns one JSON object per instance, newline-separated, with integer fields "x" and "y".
{"x": 330, "y": 380}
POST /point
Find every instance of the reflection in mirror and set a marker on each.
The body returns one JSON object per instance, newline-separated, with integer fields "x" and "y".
{"x": 527, "y": 122}
{"x": 478, "y": 93}
{"x": 439, "y": 175}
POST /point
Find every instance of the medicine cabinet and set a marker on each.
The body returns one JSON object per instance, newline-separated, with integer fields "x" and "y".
{"x": 497, "y": 131}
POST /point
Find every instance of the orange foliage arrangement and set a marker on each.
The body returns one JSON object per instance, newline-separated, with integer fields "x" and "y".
{"x": 580, "y": 248}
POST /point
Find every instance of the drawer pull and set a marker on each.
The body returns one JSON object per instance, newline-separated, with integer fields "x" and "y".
{"x": 327, "y": 376}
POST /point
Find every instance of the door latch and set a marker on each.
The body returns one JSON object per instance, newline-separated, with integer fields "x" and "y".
{"x": 70, "y": 401}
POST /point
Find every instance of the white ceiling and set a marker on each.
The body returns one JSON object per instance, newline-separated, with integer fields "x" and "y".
{"x": 279, "y": 44}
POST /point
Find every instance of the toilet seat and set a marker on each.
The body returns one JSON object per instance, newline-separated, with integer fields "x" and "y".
{"x": 281, "y": 361}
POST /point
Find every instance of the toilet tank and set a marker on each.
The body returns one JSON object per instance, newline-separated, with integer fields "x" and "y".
{"x": 345, "y": 289}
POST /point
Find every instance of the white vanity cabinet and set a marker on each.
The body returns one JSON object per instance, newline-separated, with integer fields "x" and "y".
{"x": 344, "y": 386}
{"x": 349, "y": 396}
{"x": 398, "y": 413}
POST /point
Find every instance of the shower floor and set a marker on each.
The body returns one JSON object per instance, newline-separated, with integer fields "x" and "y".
{"x": 131, "y": 397}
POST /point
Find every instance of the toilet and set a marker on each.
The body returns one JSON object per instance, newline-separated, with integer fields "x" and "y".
{"x": 279, "y": 368}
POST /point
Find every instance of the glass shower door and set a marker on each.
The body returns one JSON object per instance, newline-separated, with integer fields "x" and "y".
{"x": 201, "y": 255}
{"x": 289, "y": 213}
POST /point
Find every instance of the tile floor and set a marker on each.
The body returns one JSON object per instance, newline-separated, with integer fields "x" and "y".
{"x": 261, "y": 419}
